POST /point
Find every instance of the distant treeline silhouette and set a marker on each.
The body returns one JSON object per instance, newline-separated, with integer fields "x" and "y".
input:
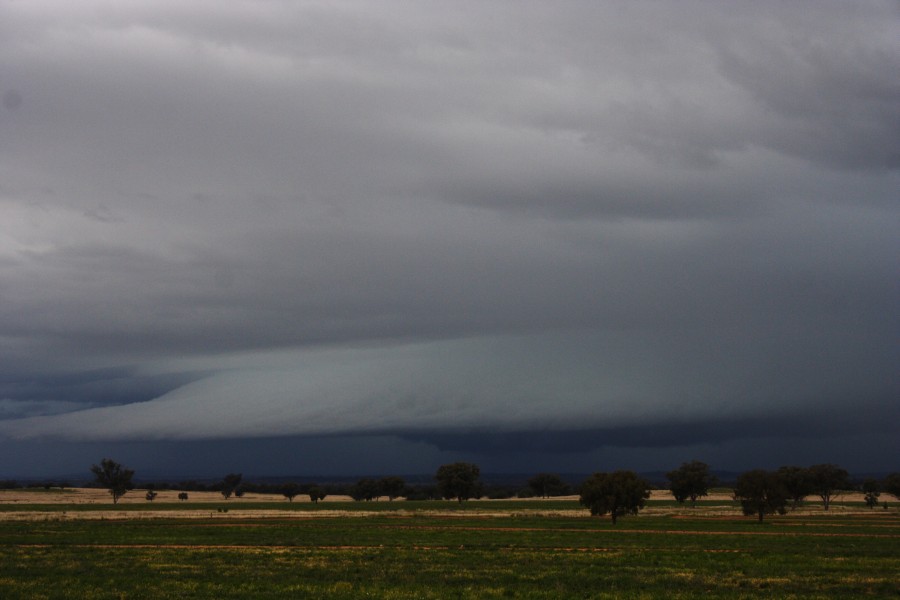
{"x": 689, "y": 482}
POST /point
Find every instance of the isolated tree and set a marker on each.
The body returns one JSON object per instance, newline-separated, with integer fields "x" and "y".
{"x": 892, "y": 485}
{"x": 797, "y": 482}
{"x": 183, "y": 496}
{"x": 459, "y": 480}
{"x": 871, "y": 492}
{"x": 114, "y": 477}
{"x": 421, "y": 492}
{"x": 315, "y": 494}
{"x": 151, "y": 494}
{"x": 690, "y": 480}
{"x": 546, "y": 485}
{"x": 230, "y": 484}
{"x": 365, "y": 489}
{"x": 619, "y": 493}
{"x": 761, "y": 493}
{"x": 290, "y": 491}
{"x": 827, "y": 481}
{"x": 391, "y": 486}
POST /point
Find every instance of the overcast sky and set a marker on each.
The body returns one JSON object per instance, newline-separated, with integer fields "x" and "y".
{"x": 371, "y": 237}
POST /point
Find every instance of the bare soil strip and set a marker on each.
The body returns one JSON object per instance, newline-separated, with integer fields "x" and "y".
{"x": 284, "y": 548}
{"x": 653, "y": 531}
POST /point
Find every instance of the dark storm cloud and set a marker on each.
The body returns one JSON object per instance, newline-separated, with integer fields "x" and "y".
{"x": 86, "y": 389}
{"x": 871, "y": 420}
{"x": 616, "y": 215}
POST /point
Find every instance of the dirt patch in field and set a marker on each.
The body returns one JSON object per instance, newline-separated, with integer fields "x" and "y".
{"x": 197, "y": 513}
{"x": 649, "y": 531}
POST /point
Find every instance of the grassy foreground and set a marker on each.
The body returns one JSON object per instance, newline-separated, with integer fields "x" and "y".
{"x": 423, "y": 554}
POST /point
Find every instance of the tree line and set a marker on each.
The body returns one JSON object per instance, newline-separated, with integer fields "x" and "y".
{"x": 760, "y": 492}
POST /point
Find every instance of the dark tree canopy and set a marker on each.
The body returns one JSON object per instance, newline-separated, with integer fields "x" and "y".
{"x": 618, "y": 493}
{"x": 365, "y": 489}
{"x": 459, "y": 480}
{"x": 114, "y": 477}
{"x": 422, "y": 492}
{"x": 892, "y": 485}
{"x": 546, "y": 485}
{"x": 315, "y": 494}
{"x": 391, "y": 486}
{"x": 230, "y": 484}
{"x": 797, "y": 482}
{"x": 761, "y": 493}
{"x": 827, "y": 481}
{"x": 871, "y": 492}
{"x": 290, "y": 491}
{"x": 690, "y": 480}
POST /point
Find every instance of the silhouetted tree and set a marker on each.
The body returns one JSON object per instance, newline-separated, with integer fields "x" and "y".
{"x": 892, "y": 485}
{"x": 421, "y": 492}
{"x": 365, "y": 489}
{"x": 690, "y": 480}
{"x": 619, "y": 493}
{"x": 797, "y": 482}
{"x": 546, "y": 485}
{"x": 183, "y": 496}
{"x": 827, "y": 481}
{"x": 290, "y": 491}
{"x": 459, "y": 480}
{"x": 114, "y": 477}
{"x": 391, "y": 486}
{"x": 871, "y": 492}
{"x": 230, "y": 484}
{"x": 315, "y": 494}
{"x": 761, "y": 493}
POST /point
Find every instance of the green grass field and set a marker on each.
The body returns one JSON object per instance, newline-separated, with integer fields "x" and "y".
{"x": 409, "y": 550}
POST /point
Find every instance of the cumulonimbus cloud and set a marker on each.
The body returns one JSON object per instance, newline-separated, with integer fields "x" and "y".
{"x": 424, "y": 218}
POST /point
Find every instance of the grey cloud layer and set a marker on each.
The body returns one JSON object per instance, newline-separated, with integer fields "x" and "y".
{"x": 712, "y": 188}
